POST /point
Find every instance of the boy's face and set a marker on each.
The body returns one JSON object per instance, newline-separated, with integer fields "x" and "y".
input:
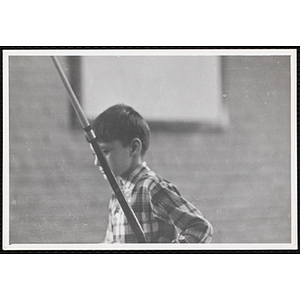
{"x": 119, "y": 158}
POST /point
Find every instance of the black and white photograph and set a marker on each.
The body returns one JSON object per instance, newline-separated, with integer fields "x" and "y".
{"x": 149, "y": 149}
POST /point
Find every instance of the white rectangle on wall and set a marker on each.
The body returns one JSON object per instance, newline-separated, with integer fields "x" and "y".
{"x": 160, "y": 88}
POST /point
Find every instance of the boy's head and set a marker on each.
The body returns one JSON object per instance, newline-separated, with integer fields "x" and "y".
{"x": 121, "y": 123}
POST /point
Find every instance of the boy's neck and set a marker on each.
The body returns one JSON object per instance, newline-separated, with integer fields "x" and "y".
{"x": 133, "y": 166}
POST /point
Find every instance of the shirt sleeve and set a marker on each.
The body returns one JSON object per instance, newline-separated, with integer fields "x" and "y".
{"x": 189, "y": 222}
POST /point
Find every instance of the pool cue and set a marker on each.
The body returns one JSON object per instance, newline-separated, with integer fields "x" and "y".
{"x": 131, "y": 217}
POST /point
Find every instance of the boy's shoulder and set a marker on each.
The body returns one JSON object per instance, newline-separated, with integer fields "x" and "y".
{"x": 151, "y": 181}
{"x": 148, "y": 176}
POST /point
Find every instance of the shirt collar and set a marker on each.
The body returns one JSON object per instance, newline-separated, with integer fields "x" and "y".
{"x": 135, "y": 175}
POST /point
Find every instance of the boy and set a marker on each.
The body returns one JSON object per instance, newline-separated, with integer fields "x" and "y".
{"x": 165, "y": 216}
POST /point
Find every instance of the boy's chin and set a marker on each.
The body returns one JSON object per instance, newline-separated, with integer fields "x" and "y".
{"x": 104, "y": 175}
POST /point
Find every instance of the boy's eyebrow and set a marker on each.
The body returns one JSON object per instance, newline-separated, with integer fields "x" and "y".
{"x": 104, "y": 145}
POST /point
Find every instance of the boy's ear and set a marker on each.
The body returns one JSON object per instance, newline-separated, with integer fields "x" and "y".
{"x": 136, "y": 146}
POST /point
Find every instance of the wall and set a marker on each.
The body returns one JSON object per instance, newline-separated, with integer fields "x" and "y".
{"x": 239, "y": 178}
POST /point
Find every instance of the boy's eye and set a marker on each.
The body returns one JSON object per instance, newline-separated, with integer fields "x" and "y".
{"x": 105, "y": 151}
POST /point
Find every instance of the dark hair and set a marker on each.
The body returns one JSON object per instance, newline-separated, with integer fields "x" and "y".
{"x": 121, "y": 122}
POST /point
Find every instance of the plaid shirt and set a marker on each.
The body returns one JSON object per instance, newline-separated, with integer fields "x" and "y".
{"x": 164, "y": 215}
